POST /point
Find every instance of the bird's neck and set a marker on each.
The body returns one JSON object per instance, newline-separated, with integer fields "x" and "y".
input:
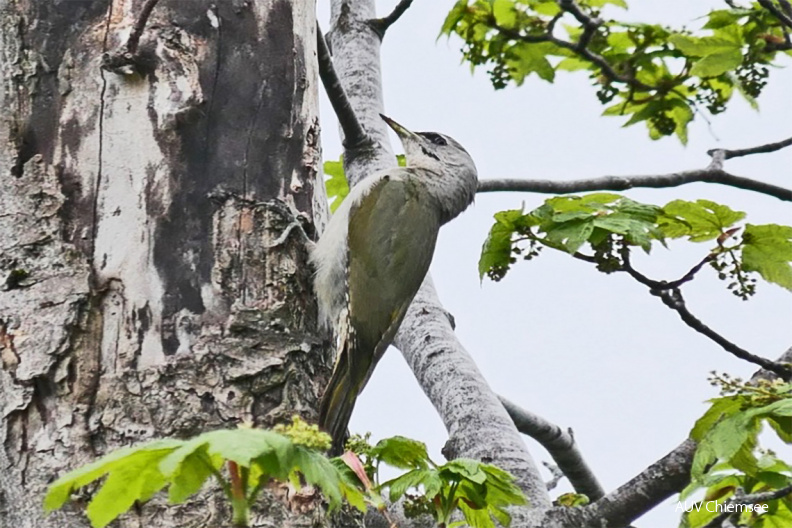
{"x": 453, "y": 194}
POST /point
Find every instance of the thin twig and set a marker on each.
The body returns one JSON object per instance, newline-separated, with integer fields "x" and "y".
{"x": 761, "y": 149}
{"x": 780, "y": 15}
{"x": 666, "y": 477}
{"x": 604, "y": 66}
{"x": 661, "y": 285}
{"x": 354, "y": 135}
{"x": 381, "y": 25}
{"x": 126, "y": 61}
{"x": 786, "y": 6}
{"x": 671, "y": 296}
{"x": 561, "y": 446}
{"x": 590, "y": 25}
{"x": 674, "y": 300}
{"x": 623, "y": 183}
{"x": 140, "y": 26}
{"x": 746, "y": 500}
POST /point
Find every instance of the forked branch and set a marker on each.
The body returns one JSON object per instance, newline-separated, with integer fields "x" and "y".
{"x": 712, "y": 174}
{"x": 561, "y": 446}
{"x": 381, "y": 25}
{"x": 354, "y": 135}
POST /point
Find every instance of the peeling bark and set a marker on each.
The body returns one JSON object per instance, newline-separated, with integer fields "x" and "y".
{"x": 153, "y": 228}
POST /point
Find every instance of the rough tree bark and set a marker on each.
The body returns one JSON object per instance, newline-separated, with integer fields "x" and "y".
{"x": 151, "y": 233}
{"x": 154, "y": 210}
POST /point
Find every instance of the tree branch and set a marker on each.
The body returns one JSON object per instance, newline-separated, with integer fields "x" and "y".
{"x": 623, "y": 183}
{"x": 745, "y": 500}
{"x": 477, "y": 424}
{"x": 786, "y": 6}
{"x": 354, "y": 135}
{"x": 761, "y": 149}
{"x": 381, "y": 25}
{"x": 604, "y": 66}
{"x": 664, "y": 478}
{"x": 590, "y": 25}
{"x": 671, "y": 296}
{"x": 140, "y": 26}
{"x": 784, "y": 18}
{"x": 128, "y": 61}
{"x": 561, "y": 446}
{"x": 712, "y": 174}
{"x": 674, "y": 300}
{"x": 661, "y": 285}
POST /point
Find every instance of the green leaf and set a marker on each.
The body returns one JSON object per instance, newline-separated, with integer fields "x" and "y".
{"x": 135, "y": 474}
{"x": 767, "y": 249}
{"x": 781, "y": 518}
{"x": 454, "y": 18}
{"x": 721, "y": 408}
{"x": 783, "y": 427}
{"x": 700, "y": 221}
{"x": 526, "y": 58}
{"x": 501, "y": 487}
{"x": 725, "y": 17}
{"x": 136, "y": 481}
{"x": 271, "y": 450}
{"x": 602, "y": 3}
{"x": 427, "y": 478}
{"x": 717, "y": 63}
{"x": 350, "y": 484}
{"x": 702, "y": 47}
{"x": 569, "y": 236}
{"x": 463, "y": 468}
{"x": 496, "y": 253}
{"x": 635, "y": 231}
{"x": 189, "y": 476}
{"x": 59, "y": 491}
{"x": 401, "y": 452}
{"x": 318, "y": 471}
{"x": 476, "y": 518}
{"x": 588, "y": 203}
{"x": 573, "y": 64}
{"x": 504, "y": 13}
{"x": 547, "y": 8}
{"x": 336, "y": 185}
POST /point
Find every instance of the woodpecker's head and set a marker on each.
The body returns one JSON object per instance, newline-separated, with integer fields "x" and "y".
{"x": 444, "y": 164}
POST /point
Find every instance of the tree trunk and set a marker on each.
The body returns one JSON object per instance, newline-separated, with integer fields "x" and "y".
{"x": 152, "y": 226}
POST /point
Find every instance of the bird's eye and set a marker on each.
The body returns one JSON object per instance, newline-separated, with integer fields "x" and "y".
{"x": 437, "y": 139}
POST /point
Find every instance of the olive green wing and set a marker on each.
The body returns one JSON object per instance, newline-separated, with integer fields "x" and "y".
{"x": 392, "y": 233}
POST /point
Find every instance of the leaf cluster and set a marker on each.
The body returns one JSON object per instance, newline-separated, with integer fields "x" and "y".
{"x": 252, "y": 457}
{"x": 650, "y": 73}
{"x": 609, "y": 225}
{"x": 728, "y": 461}
{"x": 481, "y": 492}
{"x": 244, "y": 461}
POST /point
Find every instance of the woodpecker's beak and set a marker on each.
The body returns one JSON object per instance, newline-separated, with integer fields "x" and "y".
{"x": 400, "y": 130}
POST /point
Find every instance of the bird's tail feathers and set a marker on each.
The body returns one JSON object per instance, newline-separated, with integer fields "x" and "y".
{"x": 335, "y": 411}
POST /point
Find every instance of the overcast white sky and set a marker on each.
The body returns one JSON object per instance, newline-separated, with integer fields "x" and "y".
{"x": 593, "y": 352}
